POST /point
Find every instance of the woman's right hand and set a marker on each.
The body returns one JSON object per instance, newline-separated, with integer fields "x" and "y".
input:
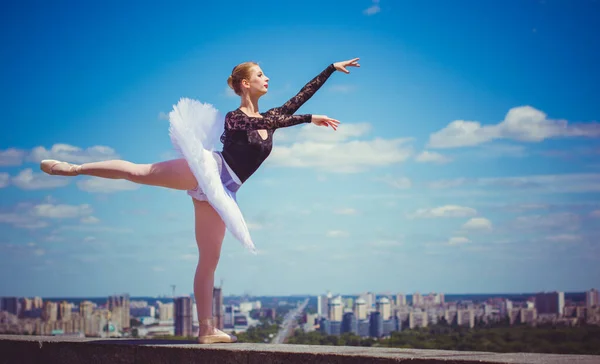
{"x": 322, "y": 120}
{"x": 341, "y": 66}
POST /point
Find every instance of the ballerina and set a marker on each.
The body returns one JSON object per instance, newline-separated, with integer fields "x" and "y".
{"x": 211, "y": 177}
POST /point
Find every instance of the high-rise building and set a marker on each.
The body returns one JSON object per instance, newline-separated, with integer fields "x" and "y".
{"x": 592, "y": 298}
{"x": 375, "y": 324}
{"x": 370, "y": 299}
{"x": 218, "y": 309}
{"x": 64, "y": 311}
{"x": 165, "y": 311}
{"x": 441, "y": 298}
{"x": 183, "y": 316}
{"x": 417, "y": 319}
{"x": 26, "y": 304}
{"x": 50, "y": 311}
{"x": 400, "y": 300}
{"x": 323, "y": 306}
{"x": 349, "y": 323}
{"x": 119, "y": 306}
{"x": 550, "y": 303}
{"x": 38, "y": 303}
{"x": 360, "y": 309}
{"x": 385, "y": 308}
{"x": 10, "y": 305}
{"x": 86, "y": 308}
{"x": 348, "y": 303}
{"x": 466, "y": 317}
{"x": 336, "y": 310}
{"x": 417, "y": 299}
{"x": 528, "y": 315}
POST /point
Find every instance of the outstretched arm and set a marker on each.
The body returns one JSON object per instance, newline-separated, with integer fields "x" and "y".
{"x": 274, "y": 120}
{"x": 271, "y": 120}
{"x": 293, "y": 104}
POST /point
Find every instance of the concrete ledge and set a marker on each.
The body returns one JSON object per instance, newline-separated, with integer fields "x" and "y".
{"x": 62, "y": 350}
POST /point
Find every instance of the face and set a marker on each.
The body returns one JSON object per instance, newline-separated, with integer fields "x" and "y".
{"x": 258, "y": 82}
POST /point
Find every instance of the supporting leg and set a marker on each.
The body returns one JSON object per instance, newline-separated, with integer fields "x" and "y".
{"x": 210, "y": 232}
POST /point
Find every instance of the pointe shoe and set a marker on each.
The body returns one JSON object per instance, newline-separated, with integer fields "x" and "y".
{"x": 47, "y": 165}
{"x": 217, "y": 336}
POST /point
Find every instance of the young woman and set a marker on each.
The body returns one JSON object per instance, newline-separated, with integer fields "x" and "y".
{"x": 210, "y": 177}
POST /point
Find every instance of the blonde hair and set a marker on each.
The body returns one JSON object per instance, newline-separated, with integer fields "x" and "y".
{"x": 240, "y": 72}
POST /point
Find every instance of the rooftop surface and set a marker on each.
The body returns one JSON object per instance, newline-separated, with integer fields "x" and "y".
{"x": 67, "y": 350}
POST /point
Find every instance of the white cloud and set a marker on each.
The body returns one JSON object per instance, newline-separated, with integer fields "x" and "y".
{"x": 595, "y": 213}
{"x": 458, "y": 240}
{"x": 432, "y": 157}
{"x": 386, "y": 243}
{"x": 332, "y": 151}
{"x": 478, "y": 223}
{"x": 189, "y": 256}
{"x": 524, "y": 123}
{"x": 39, "y": 252}
{"x": 23, "y": 216}
{"x": 444, "y": 211}
{"x": 373, "y": 9}
{"x": 449, "y": 183}
{"x": 72, "y": 154}
{"x": 346, "y": 211}
{"x": 348, "y": 157}
{"x": 564, "y": 238}
{"x": 85, "y": 258}
{"x": 400, "y": 183}
{"x": 337, "y": 234}
{"x": 163, "y": 116}
{"x": 531, "y": 206}
{"x": 94, "y": 229}
{"x": 27, "y": 180}
{"x": 61, "y": 211}
{"x": 90, "y": 220}
{"x": 11, "y": 157}
{"x": 254, "y": 226}
{"x": 557, "y": 221}
{"x": 158, "y": 269}
{"x": 321, "y": 134}
{"x": 106, "y": 185}
{"x": 20, "y": 220}
{"x": 4, "y": 180}
{"x": 540, "y": 183}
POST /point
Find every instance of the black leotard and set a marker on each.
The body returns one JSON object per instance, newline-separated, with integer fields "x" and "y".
{"x": 244, "y": 149}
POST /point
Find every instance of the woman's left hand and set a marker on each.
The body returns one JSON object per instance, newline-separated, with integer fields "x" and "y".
{"x": 322, "y": 120}
{"x": 341, "y": 66}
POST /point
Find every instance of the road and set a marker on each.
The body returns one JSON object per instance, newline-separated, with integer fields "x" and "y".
{"x": 289, "y": 323}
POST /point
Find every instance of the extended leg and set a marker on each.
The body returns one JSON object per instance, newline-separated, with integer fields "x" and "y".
{"x": 210, "y": 232}
{"x": 174, "y": 173}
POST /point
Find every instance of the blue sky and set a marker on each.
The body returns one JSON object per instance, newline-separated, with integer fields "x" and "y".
{"x": 466, "y": 161}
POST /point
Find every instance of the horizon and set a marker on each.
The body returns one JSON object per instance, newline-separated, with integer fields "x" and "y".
{"x": 308, "y": 295}
{"x": 467, "y": 158}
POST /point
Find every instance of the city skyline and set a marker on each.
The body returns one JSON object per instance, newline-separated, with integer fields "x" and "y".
{"x": 466, "y": 159}
{"x": 387, "y": 293}
{"x": 366, "y": 315}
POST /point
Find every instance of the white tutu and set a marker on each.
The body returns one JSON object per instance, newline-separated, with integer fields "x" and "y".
{"x": 195, "y": 129}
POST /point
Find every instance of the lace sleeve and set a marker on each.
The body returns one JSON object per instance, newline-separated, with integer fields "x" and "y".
{"x": 293, "y": 104}
{"x": 272, "y": 119}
